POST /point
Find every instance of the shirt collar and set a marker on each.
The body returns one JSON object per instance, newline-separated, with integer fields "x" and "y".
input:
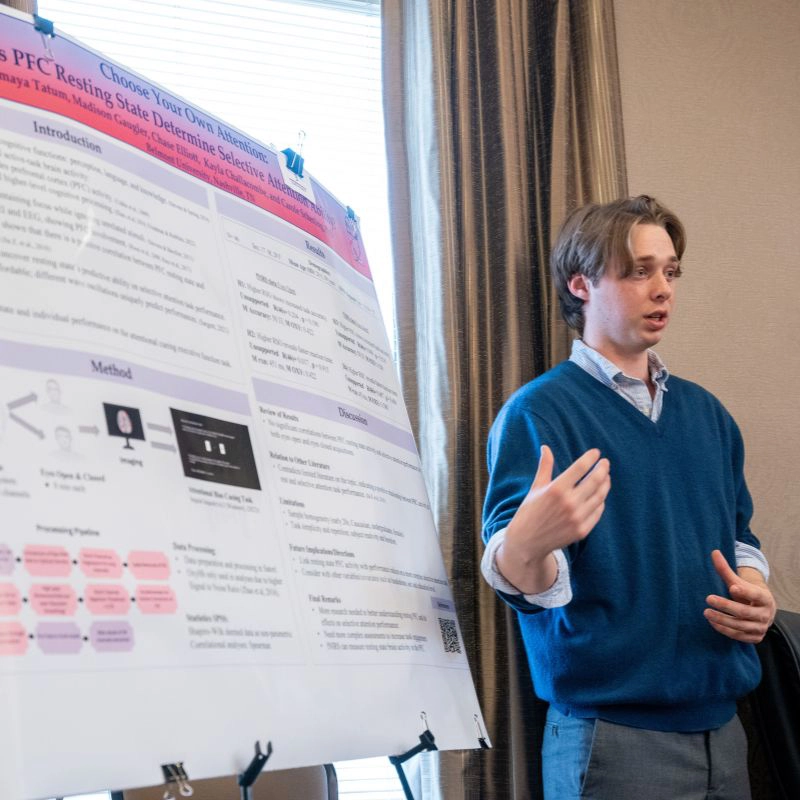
{"x": 609, "y": 373}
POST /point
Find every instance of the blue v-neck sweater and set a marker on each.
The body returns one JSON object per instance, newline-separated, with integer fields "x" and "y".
{"x": 633, "y": 646}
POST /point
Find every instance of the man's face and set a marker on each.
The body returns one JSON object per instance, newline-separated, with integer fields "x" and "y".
{"x": 625, "y": 316}
{"x": 53, "y": 391}
{"x": 64, "y": 439}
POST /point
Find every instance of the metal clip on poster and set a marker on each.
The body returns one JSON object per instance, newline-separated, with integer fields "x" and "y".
{"x": 351, "y": 220}
{"x": 249, "y": 776}
{"x": 175, "y": 776}
{"x": 48, "y": 31}
{"x": 427, "y": 743}
{"x": 351, "y": 225}
{"x": 294, "y": 159}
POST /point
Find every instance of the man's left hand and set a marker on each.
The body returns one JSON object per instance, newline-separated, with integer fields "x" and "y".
{"x": 748, "y": 614}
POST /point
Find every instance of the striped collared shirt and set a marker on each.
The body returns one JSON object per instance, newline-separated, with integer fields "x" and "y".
{"x": 634, "y": 390}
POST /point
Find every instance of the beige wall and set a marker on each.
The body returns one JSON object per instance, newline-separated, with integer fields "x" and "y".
{"x": 711, "y": 107}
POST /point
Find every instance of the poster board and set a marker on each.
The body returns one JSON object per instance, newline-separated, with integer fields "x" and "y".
{"x": 215, "y": 527}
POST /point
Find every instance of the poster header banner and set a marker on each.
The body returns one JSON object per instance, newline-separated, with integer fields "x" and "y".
{"x": 71, "y": 80}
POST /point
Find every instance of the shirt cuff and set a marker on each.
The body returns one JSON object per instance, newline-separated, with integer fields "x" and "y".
{"x": 749, "y": 556}
{"x": 559, "y": 594}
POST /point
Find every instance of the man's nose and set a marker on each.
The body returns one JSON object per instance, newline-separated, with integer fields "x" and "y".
{"x": 662, "y": 288}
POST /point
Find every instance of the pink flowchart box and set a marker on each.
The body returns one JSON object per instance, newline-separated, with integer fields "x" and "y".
{"x": 47, "y": 562}
{"x": 10, "y": 600}
{"x": 156, "y": 600}
{"x": 148, "y": 565}
{"x": 100, "y": 563}
{"x": 107, "y": 599}
{"x": 53, "y": 599}
{"x": 59, "y": 638}
{"x": 6, "y": 560}
{"x": 111, "y": 637}
{"x": 13, "y": 639}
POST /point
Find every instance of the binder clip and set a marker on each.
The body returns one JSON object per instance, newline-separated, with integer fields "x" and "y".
{"x": 427, "y": 743}
{"x": 481, "y": 738}
{"x": 351, "y": 225}
{"x": 294, "y": 161}
{"x": 247, "y": 778}
{"x": 44, "y": 26}
{"x": 48, "y": 31}
{"x": 176, "y": 774}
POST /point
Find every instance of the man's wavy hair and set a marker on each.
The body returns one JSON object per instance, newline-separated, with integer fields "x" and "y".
{"x": 595, "y": 237}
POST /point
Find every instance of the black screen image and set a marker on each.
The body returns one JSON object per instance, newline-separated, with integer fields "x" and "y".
{"x": 215, "y": 450}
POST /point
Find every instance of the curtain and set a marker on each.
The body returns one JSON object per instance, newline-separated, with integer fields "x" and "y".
{"x": 28, "y": 6}
{"x": 500, "y": 117}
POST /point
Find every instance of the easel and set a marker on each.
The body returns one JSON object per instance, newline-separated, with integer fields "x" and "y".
{"x": 427, "y": 743}
{"x": 176, "y": 778}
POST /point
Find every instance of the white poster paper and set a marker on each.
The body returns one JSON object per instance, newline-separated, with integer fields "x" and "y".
{"x": 214, "y": 525}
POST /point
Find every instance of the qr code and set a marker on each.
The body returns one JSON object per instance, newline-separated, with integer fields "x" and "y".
{"x": 449, "y": 635}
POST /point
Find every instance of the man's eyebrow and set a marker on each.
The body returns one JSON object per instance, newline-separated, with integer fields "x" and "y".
{"x": 672, "y": 259}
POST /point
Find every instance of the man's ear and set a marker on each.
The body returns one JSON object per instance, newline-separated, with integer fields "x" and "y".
{"x": 579, "y": 286}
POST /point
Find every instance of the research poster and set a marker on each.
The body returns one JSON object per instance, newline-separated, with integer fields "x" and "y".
{"x": 214, "y": 529}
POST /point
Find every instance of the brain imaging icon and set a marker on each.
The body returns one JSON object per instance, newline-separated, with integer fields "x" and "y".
{"x": 125, "y": 422}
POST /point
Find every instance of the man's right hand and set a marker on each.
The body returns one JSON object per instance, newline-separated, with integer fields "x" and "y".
{"x": 554, "y": 514}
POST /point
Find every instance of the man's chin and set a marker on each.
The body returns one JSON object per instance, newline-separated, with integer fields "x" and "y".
{"x": 653, "y": 337}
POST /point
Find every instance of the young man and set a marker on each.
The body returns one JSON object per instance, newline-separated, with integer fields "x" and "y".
{"x": 640, "y": 603}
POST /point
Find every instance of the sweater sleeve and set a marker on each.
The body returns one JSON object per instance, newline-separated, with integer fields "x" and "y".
{"x": 513, "y": 457}
{"x": 744, "y": 503}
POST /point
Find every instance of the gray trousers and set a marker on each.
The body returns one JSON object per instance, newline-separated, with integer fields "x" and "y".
{"x": 586, "y": 759}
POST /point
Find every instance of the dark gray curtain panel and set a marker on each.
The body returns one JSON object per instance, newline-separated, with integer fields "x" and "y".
{"x": 500, "y": 117}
